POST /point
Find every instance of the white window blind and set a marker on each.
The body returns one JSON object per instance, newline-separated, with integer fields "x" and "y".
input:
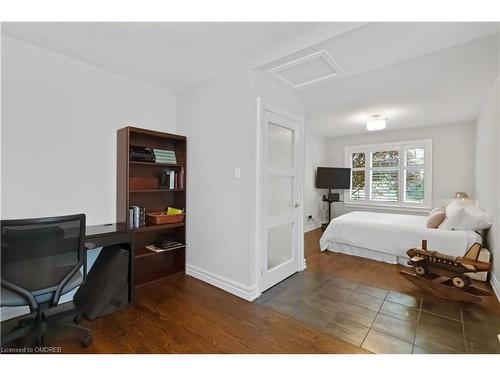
{"x": 391, "y": 174}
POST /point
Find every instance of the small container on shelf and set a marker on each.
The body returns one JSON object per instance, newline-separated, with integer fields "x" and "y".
{"x": 157, "y": 218}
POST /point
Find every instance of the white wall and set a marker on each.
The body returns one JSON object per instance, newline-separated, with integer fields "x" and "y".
{"x": 59, "y": 122}
{"x": 452, "y": 156}
{"x": 488, "y": 172}
{"x": 315, "y": 156}
{"x": 219, "y": 118}
{"x": 216, "y": 116}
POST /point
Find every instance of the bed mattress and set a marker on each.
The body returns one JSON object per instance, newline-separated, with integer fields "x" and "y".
{"x": 387, "y": 237}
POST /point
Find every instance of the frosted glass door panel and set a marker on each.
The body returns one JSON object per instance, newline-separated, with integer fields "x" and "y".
{"x": 280, "y": 196}
{"x": 279, "y": 245}
{"x": 280, "y": 147}
{"x": 280, "y": 160}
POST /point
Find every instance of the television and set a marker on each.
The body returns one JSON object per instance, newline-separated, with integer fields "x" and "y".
{"x": 333, "y": 178}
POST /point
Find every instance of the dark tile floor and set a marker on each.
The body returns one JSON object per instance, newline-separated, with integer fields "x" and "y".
{"x": 384, "y": 321}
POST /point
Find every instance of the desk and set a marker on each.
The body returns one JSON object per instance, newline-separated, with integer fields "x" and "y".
{"x": 109, "y": 235}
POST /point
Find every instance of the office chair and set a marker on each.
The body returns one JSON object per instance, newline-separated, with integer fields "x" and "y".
{"x": 42, "y": 259}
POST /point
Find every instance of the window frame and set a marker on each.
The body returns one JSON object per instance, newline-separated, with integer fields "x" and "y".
{"x": 401, "y": 147}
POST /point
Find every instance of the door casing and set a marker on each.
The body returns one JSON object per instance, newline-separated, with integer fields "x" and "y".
{"x": 259, "y": 217}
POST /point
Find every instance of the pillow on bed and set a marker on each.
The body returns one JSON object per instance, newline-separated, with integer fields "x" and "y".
{"x": 454, "y": 215}
{"x": 474, "y": 218}
{"x": 436, "y": 217}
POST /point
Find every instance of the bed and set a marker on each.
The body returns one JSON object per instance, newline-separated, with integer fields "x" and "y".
{"x": 386, "y": 237}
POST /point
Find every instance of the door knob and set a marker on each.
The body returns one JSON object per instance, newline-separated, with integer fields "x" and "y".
{"x": 297, "y": 205}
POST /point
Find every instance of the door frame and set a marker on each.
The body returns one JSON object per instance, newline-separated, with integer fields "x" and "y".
{"x": 259, "y": 178}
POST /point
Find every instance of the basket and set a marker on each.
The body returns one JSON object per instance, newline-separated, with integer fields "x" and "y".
{"x": 156, "y": 218}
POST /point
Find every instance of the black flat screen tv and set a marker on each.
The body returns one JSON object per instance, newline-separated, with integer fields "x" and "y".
{"x": 333, "y": 178}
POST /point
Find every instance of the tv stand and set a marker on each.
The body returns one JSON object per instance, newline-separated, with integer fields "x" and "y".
{"x": 330, "y": 198}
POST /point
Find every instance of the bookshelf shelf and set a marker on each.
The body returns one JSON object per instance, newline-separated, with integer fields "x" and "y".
{"x": 157, "y": 227}
{"x": 143, "y": 252}
{"x": 133, "y": 162}
{"x": 149, "y": 268}
{"x": 157, "y": 191}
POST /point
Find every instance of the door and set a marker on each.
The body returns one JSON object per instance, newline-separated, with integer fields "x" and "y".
{"x": 281, "y": 163}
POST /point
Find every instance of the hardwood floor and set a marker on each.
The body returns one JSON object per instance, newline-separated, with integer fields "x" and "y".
{"x": 370, "y": 305}
{"x": 184, "y": 315}
{"x": 366, "y": 271}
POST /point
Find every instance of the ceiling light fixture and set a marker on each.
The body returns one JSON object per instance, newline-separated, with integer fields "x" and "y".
{"x": 376, "y": 123}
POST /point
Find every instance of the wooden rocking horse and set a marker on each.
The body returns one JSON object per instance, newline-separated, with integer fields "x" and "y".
{"x": 446, "y": 276}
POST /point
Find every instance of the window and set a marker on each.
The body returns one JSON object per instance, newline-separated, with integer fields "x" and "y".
{"x": 391, "y": 174}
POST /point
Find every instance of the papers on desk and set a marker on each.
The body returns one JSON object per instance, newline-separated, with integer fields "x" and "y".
{"x": 170, "y": 246}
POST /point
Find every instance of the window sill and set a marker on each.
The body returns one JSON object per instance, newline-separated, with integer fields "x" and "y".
{"x": 388, "y": 207}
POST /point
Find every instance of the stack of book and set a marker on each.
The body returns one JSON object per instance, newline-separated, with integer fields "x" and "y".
{"x": 164, "y": 156}
{"x": 172, "y": 179}
{"x": 137, "y": 216}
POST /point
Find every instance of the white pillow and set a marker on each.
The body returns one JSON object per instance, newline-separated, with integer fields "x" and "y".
{"x": 454, "y": 215}
{"x": 474, "y": 218}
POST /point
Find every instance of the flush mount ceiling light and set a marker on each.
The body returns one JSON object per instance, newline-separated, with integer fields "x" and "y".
{"x": 376, "y": 123}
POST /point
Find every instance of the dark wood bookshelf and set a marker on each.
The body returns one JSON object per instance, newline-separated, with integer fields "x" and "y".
{"x": 149, "y": 265}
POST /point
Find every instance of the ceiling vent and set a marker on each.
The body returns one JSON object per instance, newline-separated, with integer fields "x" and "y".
{"x": 307, "y": 70}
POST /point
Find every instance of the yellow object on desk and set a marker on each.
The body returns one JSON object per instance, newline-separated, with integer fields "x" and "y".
{"x": 174, "y": 211}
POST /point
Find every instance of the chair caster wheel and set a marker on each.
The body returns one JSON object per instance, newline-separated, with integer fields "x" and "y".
{"x": 78, "y": 319}
{"x": 87, "y": 341}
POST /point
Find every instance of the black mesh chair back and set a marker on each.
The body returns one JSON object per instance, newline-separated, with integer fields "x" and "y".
{"x": 41, "y": 255}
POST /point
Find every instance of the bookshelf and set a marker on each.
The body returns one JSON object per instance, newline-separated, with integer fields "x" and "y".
{"x": 150, "y": 266}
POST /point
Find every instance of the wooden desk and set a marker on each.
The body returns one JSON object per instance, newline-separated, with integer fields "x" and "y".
{"x": 109, "y": 235}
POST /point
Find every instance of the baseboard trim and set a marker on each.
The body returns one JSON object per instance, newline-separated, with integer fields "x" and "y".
{"x": 248, "y": 293}
{"x": 310, "y": 227}
{"x": 495, "y": 284}
{"x": 304, "y": 264}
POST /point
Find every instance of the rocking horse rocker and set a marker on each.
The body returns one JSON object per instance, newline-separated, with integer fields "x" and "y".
{"x": 446, "y": 276}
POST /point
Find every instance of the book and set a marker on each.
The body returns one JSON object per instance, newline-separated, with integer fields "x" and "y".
{"x": 181, "y": 178}
{"x": 165, "y": 156}
{"x": 158, "y": 161}
{"x": 136, "y": 214}
{"x": 131, "y": 217}
{"x": 165, "y": 161}
{"x": 172, "y": 180}
{"x": 142, "y": 216}
{"x": 157, "y": 151}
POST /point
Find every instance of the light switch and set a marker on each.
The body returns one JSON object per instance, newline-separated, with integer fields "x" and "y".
{"x": 237, "y": 172}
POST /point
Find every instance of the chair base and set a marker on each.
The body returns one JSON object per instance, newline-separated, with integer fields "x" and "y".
{"x": 33, "y": 331}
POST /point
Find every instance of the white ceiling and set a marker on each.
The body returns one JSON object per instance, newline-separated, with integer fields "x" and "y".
{"x": 415, "y": 74}
{"x": 173, "y": 55}
{"x": 446, "y": 86}
{"x": 377, "y": 44}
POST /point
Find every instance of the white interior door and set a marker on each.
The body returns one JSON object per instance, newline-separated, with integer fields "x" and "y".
{"x": 281, "y": 160}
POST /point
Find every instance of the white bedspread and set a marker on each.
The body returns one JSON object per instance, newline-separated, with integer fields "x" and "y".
{"x": 394, "y": 234}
